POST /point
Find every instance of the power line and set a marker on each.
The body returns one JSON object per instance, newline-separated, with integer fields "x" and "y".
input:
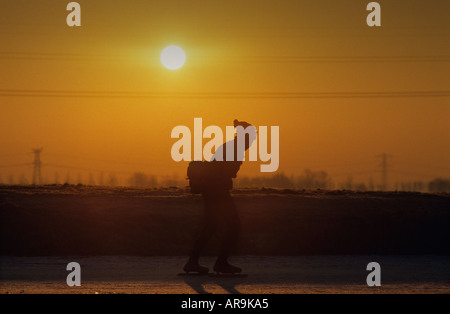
{"x": 14, "y": 154}
{"x": 415, "y": 174}
{"x": 219, "y": 95}
{"x": 15, "y": 165}
{"x": 353, "y": 173}
{"x": 58, "y": 56}
{"x": 332, "y": 59}
{"x": 84, "y": 169}
{"x": 247, "y": 59}
{"x": 98, "y": 160}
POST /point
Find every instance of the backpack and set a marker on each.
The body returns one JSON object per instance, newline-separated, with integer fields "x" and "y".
{"x": 198, "y": 174}
{"x": 211, "y": 175}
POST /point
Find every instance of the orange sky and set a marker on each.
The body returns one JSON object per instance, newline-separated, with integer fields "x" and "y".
{"x": 236, "y": 47}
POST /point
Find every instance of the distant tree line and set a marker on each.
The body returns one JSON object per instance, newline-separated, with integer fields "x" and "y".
{"x": 439, "y": 185}
{"x": 308, "y": 179}
{"x": 146, "y": 180}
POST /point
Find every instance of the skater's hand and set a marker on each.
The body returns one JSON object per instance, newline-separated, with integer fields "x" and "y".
{"x": 244, "y": 124}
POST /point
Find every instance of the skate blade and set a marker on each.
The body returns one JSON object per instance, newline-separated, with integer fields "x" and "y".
{"x": 222, "y": 275}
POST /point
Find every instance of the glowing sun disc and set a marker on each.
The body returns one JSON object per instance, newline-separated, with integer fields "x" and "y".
{"x": 173, "y": 57}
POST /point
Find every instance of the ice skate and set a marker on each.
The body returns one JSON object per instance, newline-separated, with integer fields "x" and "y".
{"x": 224, "y": 269}
{"x": 194, "y": 268}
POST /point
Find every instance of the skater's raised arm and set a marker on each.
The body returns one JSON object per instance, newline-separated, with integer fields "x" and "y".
{"x": 248, "y": 130}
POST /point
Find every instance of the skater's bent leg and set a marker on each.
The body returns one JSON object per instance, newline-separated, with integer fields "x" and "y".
{"x": 231, "y": 236}
{"x": 210, "y": 226}
{"x": 202, "y": 239}
{"x": 229, "y": 244}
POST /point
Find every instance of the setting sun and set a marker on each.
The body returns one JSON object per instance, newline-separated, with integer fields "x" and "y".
{"x": 234, "y": 148}
{"x": 173, "y": 57}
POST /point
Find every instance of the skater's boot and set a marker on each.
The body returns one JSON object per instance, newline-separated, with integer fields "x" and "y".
{"x": 192, "y": 266}
{"x": 223, "y": 267}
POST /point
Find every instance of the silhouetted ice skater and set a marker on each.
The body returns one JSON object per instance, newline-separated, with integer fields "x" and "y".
{"x": 215, "y": 180}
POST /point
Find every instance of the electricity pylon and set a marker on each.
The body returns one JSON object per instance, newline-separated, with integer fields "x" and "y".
{"x": 384, "y": 170}
{"x": 37, "y": 177}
